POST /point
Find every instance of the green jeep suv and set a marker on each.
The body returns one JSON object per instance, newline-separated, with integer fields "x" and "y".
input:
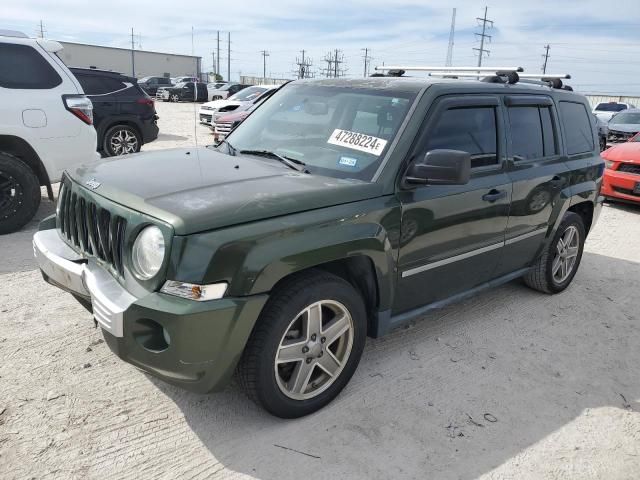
{"x": 339, "y": 209}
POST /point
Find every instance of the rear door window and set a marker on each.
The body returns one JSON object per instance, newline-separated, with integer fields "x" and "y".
{"x": 577, "y": 128}
{"x": 96, "y": 85}
{"x": 532, "y": 133}
{"x": 22, "y": 67}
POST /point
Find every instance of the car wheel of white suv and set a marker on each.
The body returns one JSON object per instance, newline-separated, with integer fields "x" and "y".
{"x": 19, "y": 193}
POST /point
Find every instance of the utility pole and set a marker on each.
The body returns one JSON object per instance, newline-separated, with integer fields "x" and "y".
{"x": 228, "y": 56}
{"x": 485, "y": 21}
{"x": 133, "y": 60}
{"x": 213, "y": 64}
{"x": 546, "y": 58}
{"x": 265, "y": 54}
{"x": 41, "y": 29}
{"x": 329, "y": 70}
{"x": 449, "y": 61}
{"x": 367, "y": 60}
{"x": 218, "y": 56}
{"x": 304, "y": 66}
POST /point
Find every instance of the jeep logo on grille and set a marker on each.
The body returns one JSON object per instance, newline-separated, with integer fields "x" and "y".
{"x": 92, "y": 184}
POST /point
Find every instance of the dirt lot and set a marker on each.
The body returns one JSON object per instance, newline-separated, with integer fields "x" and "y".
{"x": 511, "y": 384}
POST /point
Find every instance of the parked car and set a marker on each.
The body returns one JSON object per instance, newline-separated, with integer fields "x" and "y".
{"x": 622, "y": 175}
{"x": 624, "y": 125}
{"x": 45, "y": 125}
{"x": 606, "y": 110}
{"x": 185, "y": 79}
{"x": 215, "y": 85}
{"x": 123, "y": 114}
{"x": 224, "y": 123}
{"x": 244, "y": 97}
{"x": 151, "y": 84}
{"x": 188, "y": 91}
{"x": 603, "y": 132}
{"x": 225, "y": 91}
{"x": 276, "y": 253}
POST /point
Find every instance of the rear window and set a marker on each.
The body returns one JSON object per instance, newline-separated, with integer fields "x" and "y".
{"x": 532, "y": 133}
{"x": 577, "y": 128}
{"x": 96, "y": 85}
{"x": 611, "y": 107}
{"x": 24, "y": 68}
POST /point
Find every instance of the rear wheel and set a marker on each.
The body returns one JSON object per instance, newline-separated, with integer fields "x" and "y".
{"x": 174, "y": 97}
{"x": 558, "y": 264}
{"x": 121, "y": 140}
{"x": 306, "y": 345}
{"x": 19, "y": 193}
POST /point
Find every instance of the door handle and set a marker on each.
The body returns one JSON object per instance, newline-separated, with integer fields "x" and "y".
{"x": 557, "y": 182}
{"x": 494, "y": 195}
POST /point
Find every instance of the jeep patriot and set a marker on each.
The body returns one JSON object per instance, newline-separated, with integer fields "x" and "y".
{"x": 338, "y": 209}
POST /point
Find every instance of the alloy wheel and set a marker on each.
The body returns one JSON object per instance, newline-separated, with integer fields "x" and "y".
{"x": 567, "y": 250}
{"x": 123, "y": 142}
{"x": 11, "y": 194}
{"x": 314, "y": 350}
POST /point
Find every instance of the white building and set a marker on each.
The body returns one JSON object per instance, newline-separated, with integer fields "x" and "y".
{"x": 139, "y": 63}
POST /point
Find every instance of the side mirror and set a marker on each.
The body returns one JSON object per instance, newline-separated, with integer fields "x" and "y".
{"x": 441, "y": 167}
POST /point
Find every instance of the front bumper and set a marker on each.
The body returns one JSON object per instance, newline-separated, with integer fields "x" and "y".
{"x": 620, "y": 185}
{"x": 206, "y": 117}
{"x": 204, "y": 340}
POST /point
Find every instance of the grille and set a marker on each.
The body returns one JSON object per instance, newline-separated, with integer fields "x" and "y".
{"x": 633, "y": 168}
{"x": 223, "y": 127}
{"x": 91, "y": 229}
{"x": 626, "y": 191}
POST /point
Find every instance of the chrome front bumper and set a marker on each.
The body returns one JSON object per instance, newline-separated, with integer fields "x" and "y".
{"x": 65, "y": 268}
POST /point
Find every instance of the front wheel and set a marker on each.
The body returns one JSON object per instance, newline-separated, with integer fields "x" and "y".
{"x": 174, "y": 98}
{"x": 305, "y": 346}
{"x": 558, "y": 264}
{"x": 19, "y": 193}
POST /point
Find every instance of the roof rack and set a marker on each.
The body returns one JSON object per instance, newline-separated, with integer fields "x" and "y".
{"x": 508, "y": 75}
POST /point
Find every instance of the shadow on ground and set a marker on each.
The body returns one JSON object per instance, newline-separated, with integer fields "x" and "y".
{"x": 455, "y": 395}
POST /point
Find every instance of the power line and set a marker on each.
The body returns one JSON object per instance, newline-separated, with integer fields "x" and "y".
{"x": 485, "y": 21}
{"x": 546, "y": 58}
{"x": 449, "y": 60}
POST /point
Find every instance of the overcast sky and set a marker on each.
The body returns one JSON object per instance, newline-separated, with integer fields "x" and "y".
{"x": 596, "y": 41}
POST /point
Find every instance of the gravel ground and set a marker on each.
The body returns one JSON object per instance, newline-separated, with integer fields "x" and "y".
{"x": 511, "y": 384}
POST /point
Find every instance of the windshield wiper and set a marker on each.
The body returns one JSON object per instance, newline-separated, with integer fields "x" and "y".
{"x": 293, "y": 163}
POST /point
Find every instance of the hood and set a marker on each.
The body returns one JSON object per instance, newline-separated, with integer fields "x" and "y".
{"x": 201, "y": 189}
{"x": 218, "y": 104}
{"x": 625, "y": 127}
{"x": 628, "y": 152}
{"x": 604, "y": 116}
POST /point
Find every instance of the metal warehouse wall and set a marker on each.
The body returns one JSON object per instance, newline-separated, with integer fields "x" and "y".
{"x": 596, "y": 99}
{"x": 119, "y": 59}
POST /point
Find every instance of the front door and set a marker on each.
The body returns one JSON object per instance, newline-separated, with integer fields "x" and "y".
{"x": 452, "y": 236}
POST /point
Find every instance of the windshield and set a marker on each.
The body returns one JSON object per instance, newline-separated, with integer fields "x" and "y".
{"x": 626, "y": 117}
{"x": 611, "y": 107}
{"x": 341, "y": 132}
{"x": 180, "y": 85}
{"x": 144, "y": 79}
{"x": 248, "y": 94}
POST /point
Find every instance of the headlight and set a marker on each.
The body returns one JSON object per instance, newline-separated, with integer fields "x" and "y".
{"x": 609, "y": 163}
{"x": 148, "y": 253}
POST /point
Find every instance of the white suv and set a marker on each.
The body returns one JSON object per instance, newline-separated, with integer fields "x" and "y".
{"x": 45, "y": 125}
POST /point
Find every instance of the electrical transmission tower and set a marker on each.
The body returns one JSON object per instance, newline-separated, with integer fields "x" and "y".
{"x": 367, "y": 60}
{"x": 334, "y": 61}
{"x": 484, "y": 22}
{"x": 545, "y": 55}
{"x": 304, "y": 66}
{"x": 449, "y": 61}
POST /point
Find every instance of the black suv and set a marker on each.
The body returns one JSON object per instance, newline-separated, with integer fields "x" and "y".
{"x": 123, "y": 114}
{"x": 185, "y": 91}
{"x": 151, "y": 84}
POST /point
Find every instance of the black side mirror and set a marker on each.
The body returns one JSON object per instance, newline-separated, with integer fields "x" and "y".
{"x": 441, "y": 167}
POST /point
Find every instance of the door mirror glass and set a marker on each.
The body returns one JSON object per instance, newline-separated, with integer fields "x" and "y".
{"x": 440, "y": 167}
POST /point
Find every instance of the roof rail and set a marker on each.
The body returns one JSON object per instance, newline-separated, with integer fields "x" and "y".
{"x": 451, "y": 70}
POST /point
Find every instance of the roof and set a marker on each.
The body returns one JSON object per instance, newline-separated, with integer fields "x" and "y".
{"x": 128, "y": 49}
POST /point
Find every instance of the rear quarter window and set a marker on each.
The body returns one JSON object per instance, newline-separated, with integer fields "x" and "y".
{"x": 577, "y": 128}
{"x": 22, "y": 67}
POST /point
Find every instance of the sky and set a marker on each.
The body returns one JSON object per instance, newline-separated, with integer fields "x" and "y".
{"x": 595, "y": 43}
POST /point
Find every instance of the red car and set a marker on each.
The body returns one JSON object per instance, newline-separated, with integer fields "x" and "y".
{"x": 223, "y": 125}
{"x": 622, "y": 175}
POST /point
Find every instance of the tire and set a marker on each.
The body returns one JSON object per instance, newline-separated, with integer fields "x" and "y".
{"x": 121, "y": 140}
{"x": 266, "y": 381}
{"x": 174, "y": 98}
{"x": 543, "y": 276}
{"x": 19, "y": 193}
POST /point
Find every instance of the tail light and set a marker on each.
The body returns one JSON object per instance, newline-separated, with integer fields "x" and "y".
{"x": 80, "y": 106}
{"x": 145, "y": 101}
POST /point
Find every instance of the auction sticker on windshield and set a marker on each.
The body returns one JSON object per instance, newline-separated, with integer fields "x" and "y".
{"x": 357, "y": 141}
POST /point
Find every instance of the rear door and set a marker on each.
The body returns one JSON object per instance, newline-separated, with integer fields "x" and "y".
{"x": 452, "y": 237}
{"x": 539, "y": 175}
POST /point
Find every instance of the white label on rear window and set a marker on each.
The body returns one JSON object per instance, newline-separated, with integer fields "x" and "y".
{"x": 357, "y": 141}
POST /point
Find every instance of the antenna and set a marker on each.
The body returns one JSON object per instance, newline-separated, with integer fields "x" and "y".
{"x": 449, "y": 60}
